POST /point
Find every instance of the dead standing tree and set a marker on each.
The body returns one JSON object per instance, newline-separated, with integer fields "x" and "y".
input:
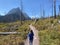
{"x": 21, "y": 4}
{"x": 59, "y": 11}
{"x": 52, "y": 7}
{"x": 55, "y": 9}
{"x": 43, "y": 13}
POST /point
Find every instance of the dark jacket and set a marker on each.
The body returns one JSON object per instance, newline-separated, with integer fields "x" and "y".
{"x": 31, "y": 35}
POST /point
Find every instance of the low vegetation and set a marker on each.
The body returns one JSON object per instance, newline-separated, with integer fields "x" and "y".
{"x": 49, "y": 31}
{"x": 16, "y": 39}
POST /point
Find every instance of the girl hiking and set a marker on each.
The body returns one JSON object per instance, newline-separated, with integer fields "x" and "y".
{"x": 31, "y": 37}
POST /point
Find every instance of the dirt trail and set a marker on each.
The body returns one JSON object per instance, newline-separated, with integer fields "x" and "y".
{"x": 36, "y": 38}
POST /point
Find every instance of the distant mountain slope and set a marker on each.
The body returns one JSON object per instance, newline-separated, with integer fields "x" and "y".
{"x": 14, "y": 15}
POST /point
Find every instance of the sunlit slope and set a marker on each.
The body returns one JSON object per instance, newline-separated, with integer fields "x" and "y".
{"x": 16, "y": 39}
{"x": 49, "y": 31}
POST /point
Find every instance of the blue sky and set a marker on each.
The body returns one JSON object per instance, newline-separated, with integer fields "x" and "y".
{"x": 32, "y": 7}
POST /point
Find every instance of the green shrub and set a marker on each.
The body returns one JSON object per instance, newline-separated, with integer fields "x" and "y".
{"x": 49, "y": 37}
{"x": 49, "y": 34}
{"x": 17, "y": 39}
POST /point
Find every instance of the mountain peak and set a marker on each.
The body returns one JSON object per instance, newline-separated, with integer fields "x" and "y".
{"x": 14, "y": 15}
{"x": 14, "y": 10}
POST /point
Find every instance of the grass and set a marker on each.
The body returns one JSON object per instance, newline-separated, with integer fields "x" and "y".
{"x": 17, "y": 39}
{"x": 49, "y": 37}
{"x": 49, "y": 31}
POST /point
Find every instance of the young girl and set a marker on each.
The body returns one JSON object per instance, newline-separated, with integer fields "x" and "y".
{"x": 31, "y": 36}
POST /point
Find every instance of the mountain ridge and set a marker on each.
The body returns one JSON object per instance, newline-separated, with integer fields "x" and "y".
{"x": 14, "y": 15}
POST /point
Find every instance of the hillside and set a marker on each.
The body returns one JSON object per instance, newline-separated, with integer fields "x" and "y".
{"x": 14, "y": 39}
{"x": 14, "y": 14}
{"x": 49, "y": 31}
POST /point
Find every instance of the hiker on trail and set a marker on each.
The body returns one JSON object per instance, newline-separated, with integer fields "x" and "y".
{"x": 31, "y": 36}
